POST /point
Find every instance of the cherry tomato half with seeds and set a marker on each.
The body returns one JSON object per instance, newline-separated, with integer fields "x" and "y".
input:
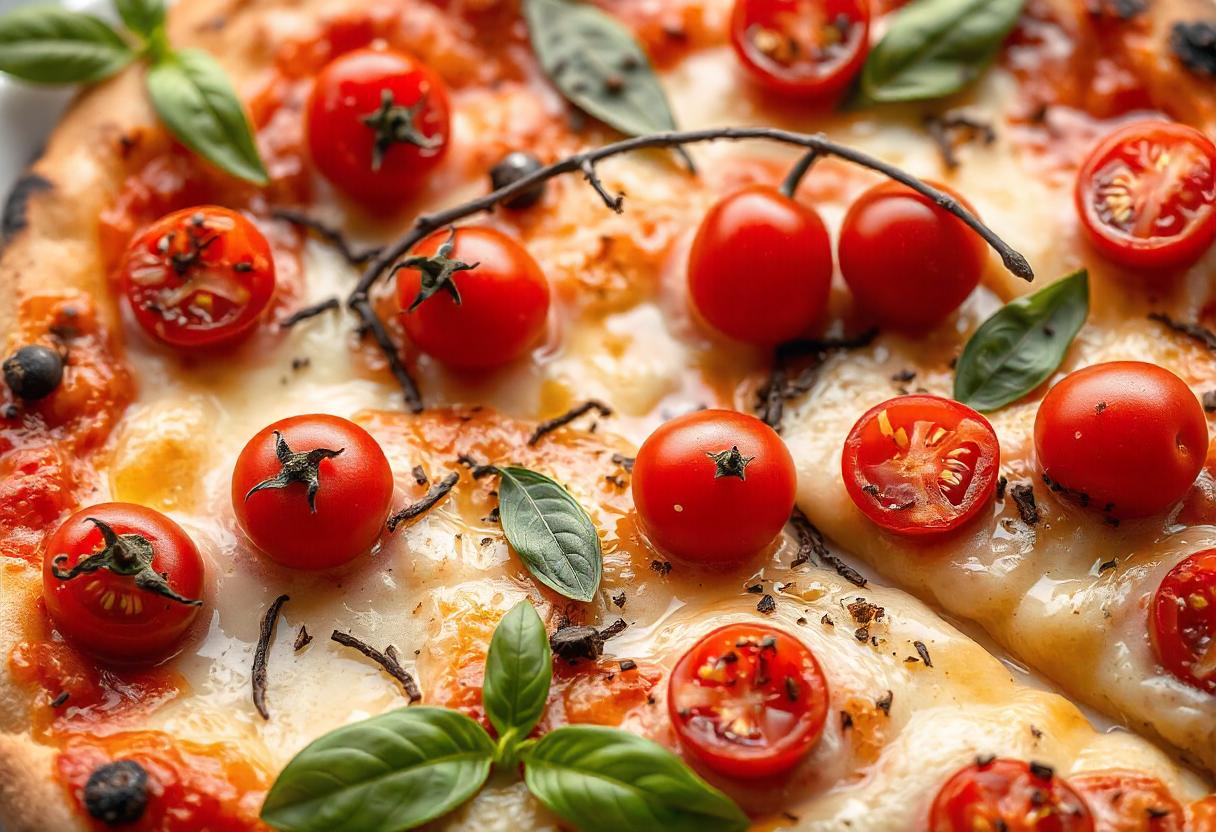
{"x": 1182, "y": 621}
{"x": 1010, "y": 795}
{"x": 748, "y": 701}
{"x": 122, "y": 582}
{"x": 378, "y": 123}
{"x": 198, "y": 278}
{"x": 473, "y": 298}
{"x": 921, "y": 464}
{"x": 908, "y": 262}
{"x": 1128, "y": 801}
{"x": 760, "y": 268}
{"x": 801, "y": 48}
{"x": 312, "y": 492}
{"x": 1146, "y": 195}
{"x": 1126, "y": 438}
{"x": 715, "y": 486}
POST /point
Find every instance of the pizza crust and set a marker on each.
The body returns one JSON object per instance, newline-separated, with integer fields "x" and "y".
{"x": 31, "y": 799}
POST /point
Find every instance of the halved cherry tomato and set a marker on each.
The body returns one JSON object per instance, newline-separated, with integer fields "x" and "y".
{"x": 122, "y": 582}
{"x": 472, "y": 297}
{"x": 748, "y": 701}
{"x": 200, "y": 277}
{"x": 803, "y": 48}
{"x": 921, "y": 464}
{"x": 312, "y": 491}
{"x": 760, "y": 268}
{"x": 1182, "y": 620}
{"x": 1147, "y": 195}
{"x": 1009, "y": 795}
{"x": 377, "y": 124}
{"x": 1126, "y": 438}
{"x": 908, "y": 262}
{"x": 713, "y": 486}
{"x": 1128, "y": 801}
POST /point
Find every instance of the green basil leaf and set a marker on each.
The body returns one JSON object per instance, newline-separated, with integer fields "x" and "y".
{"x": 519, "y": 667}
{"x": 51, "y": 45}
{"x": 551, "y": 532}
{"x": 143, "y": 17}
{"x": 385, "y": 774}
{"x": 934, "y": 48}
{"x": 606, "y": 780}
{"x": 195, "y": 100}
{"x": 1016, "y": 349}
{"x": 598, "y": 65}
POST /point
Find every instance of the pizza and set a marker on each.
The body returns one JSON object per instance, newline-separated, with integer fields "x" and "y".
{"x": 555, "y": 415}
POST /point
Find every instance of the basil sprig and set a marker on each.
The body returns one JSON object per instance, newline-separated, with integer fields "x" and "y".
{"x": 598, "y": 65}
{"x": 1016, "y": 349}
{"x": 396, "y": 771}
{"x": 934, "y": 48}
{"x": 190, "y": 93}
{"x": 551, "y": 533}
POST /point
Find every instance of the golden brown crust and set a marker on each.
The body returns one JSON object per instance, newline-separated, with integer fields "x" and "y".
{"x": 31, "y": 797}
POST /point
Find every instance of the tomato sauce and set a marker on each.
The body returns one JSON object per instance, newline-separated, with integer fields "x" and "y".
{"x": 192, "y": 787}
{"x": 44, "y": 445}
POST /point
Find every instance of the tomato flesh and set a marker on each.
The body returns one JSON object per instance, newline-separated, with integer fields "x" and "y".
{"x": 1009, "y": 795}
{"x": 803, "y": 48}
{"x": 921, "y": 464}
{"x": 346, "y": 515}
{"x": 351, "y": 114}
{"x": 504, "y": 301}
{"x": 198, "y": 278}
{"x": 1126, "y": 438}
{"x": 105, "y": 613}
{"x": 748, "y": 701}
{"x": 1128, "y": 801}
{"x": 908, "y": 262}
{"x": 784, "y": 250}
{"x": 1182, "y": 621}
{"x": 1147, "y": 195}
{"x": 695, "y": 511}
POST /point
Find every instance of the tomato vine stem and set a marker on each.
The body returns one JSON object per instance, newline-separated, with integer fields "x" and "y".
{"x": 584, "y": 162}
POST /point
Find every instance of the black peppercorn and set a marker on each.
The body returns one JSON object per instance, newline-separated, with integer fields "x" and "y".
{"x": 33, "y": 372}
{"x": 514, "y": 167}
{"x": 117, "y": 792}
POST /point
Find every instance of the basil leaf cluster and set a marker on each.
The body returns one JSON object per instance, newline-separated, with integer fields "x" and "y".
{"x": 189, "y": 91}
{"x": 404, "y": 768}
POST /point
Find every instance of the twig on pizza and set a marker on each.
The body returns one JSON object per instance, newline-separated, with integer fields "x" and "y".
{"x": 429, "y": 501}
{"x": 306, "y": 312}
{"x": 389, "y": 660}
{"x": 261, "y": 653}
{"x": 585, "y": 162}
{"x": 566, "y": 418}
{"x": 1198, "y": 332}
{"x": 331, "y": 235}
{"x": 780, "y": 388}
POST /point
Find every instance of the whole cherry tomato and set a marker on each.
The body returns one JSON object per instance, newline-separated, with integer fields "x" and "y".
{"x": 748, "y": 701}
{"x": 1128, "y": 801}
{"x": 921, "y": 464}
{"x": 715, "y": 486}
{"x": 1009, "y": 795}
{"x": 312, "y": 491}
{"x": 122, "y": 582}
{"x": 1182, "y": 620}
{"x": 1147, "y": 195}
{"x": 198, "y": 278}
{"x": 377, "y": 124}
{"x": 908, "y": 262}
{"x": 472, "y": 298}
{"x": 1126, "y": 438}
{"x": 760, "y": 268}
{"x": 801, "y": 48}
